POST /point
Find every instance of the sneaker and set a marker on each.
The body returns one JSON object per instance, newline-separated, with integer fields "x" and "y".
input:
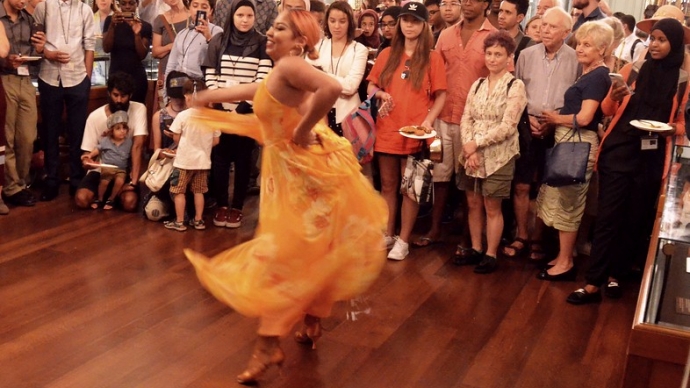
{"x": 4, "y": 210}
{"x": 198, "y": 224}
{"x": 234, "y": 219}
{"x": 390, "y": 241}
{"x": 221, "y": 217}
{"x": 487, "y": 265}
{"x": 174, "y": 225}
{"x": 399, "y": 251}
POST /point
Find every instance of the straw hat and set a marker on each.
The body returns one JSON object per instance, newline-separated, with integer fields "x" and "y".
{"x": 665, "y": 11}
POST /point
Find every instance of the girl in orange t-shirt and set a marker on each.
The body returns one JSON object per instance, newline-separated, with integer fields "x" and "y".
{"x": 412, "y": 80}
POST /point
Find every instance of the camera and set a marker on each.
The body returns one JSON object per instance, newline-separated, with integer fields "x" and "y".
{"x": 37, "y": 27}
{"x": 200, "y": 15}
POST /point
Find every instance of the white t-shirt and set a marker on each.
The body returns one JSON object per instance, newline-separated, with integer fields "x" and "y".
{"x": 194, "y": 150}
{"x": 96, "y": 124}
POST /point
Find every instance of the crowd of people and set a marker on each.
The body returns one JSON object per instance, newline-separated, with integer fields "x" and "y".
{"x": 498, "y": 89}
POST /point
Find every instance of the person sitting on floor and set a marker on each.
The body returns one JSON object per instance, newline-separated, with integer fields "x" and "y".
{"x": 114, "y": 150}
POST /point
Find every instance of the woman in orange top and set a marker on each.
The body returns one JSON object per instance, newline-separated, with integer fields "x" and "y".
{"x": 412, "y": 79}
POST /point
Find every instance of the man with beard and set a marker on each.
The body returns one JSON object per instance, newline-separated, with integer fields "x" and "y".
{"x": 590, "y": 12}
{"x": 120, "y": 88}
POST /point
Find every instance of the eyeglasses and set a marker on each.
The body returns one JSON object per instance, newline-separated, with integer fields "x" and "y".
{"x": 406, "y": 73}
{"x": 387, "y": 25}
{"x": 445, "y": 4}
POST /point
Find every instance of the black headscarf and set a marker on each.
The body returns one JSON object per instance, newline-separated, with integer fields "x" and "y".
{"x": 394, "y": 12}
{"x": 657, "y": 82}
{"x": 250, "y": 40}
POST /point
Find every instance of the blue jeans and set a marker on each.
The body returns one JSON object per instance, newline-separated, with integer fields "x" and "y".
{"x": 75, "y": 101}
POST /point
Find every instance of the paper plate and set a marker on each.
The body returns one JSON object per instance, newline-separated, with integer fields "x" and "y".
{"x": 170, "y": 154}
{"x": 422, "y": 137}
{"x": 651, "y": 126}
{"x": 99, "y": 165}
{"x": 28, "y": 58}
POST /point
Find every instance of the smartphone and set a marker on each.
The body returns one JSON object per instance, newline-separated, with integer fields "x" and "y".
{"x": 200, "y": 15}
{"x": 127, "y": 16}
{"x": 618, "y": 80}
{"x": 37, "y": 27}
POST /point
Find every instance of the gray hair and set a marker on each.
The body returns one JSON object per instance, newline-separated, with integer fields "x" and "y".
{"x": 599, "y": 31}
{"x": 566, "y": 20}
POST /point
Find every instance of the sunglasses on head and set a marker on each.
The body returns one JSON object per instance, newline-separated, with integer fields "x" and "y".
{"x": 406, "y": 73}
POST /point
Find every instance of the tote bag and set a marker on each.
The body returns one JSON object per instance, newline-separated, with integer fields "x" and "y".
{"x": 158, "y": 172}
{"x": 566, "y": 162}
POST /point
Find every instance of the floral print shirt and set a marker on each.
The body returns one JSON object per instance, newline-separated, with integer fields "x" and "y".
{"x": 490, "y": 119}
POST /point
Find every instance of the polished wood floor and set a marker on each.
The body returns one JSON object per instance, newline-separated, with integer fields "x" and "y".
{"x": 107, "y": 299}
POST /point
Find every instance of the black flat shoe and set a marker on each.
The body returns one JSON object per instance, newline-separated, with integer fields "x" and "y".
{"x": 567, "y": 276}
{"x": 581, "y": 296}
{"x": 613, "y": 290}
{"x": 487, "y": 265}
{"x": 49, "y": 193}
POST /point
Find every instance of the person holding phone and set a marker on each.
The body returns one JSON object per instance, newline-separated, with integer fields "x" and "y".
{"x": 190, "y": 45}
{"x": 632, "y": 163}
{"x": 127, "y": 39}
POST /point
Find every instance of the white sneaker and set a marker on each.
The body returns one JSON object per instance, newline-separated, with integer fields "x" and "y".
{"x": 399, "y": 251}
{"x": 389, "y": 241}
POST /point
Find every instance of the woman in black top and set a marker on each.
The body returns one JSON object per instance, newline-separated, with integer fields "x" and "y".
{"x": 237, "y": 56}
{"x": 631, "y": 163}
{"x": 128, "y": 44}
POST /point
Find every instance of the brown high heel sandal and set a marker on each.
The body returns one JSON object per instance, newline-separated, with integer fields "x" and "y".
{"x": 266, "y": 353}
{"x": 311, "y": 331}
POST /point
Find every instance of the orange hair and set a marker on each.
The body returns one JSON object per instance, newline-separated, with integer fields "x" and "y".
{"x": 302, "y": 23}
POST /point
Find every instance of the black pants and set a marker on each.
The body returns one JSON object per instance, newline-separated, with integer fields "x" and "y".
{"x": 232, "y": 149}
{"x": 625, "y": 219}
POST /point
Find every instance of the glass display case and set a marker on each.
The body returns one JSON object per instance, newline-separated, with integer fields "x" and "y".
{"x": 659, "y": 344}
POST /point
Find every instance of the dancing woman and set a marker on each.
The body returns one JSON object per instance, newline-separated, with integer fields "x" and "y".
{"x": 320, "y": 233}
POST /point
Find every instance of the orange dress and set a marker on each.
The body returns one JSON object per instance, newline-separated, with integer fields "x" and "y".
{"x": 320, "y": 234}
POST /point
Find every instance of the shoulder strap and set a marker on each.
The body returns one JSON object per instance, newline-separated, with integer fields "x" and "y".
{"x": 481, "y": 81}
{"x": 510, "y": 84}
{"x": 682, "y": 87}
{"x": 168, "y": 27}
{"x": 632, "y": 49}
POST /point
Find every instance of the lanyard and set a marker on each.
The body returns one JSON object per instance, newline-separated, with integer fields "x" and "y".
{"x": 62, "y": 23}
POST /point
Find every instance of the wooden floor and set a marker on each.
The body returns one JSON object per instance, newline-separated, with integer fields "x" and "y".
{"x": 107, "y": 299}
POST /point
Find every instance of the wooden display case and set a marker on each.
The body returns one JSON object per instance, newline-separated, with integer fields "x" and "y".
{"x": 659, "y": 343}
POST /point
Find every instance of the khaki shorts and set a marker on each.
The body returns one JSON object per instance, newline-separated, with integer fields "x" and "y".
{"x": 452, "y": 147}
{"x": 496, "y": 185}
{"x": 109, "y": 174}
{"x": 181, "y": 178}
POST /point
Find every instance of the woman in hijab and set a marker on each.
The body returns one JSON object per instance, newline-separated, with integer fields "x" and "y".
{"x": 631, "y": 163}
{"x": 370, "y": 36}
{"x": 238, "y": 56}
{"x": 389, "y": 19}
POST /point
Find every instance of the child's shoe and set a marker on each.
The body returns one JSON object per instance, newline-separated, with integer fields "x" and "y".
{"x": 198, "y": 224}
{"x": 174, "y": 225}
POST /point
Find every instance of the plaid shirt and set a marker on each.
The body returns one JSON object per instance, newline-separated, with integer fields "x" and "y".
{"x": 266, "y": 13}
{"x": 76, "y": 20}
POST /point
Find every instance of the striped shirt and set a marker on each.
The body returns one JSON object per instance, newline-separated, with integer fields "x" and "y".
{"x": 234, "y": 68}
{"x": 69, "y": 28}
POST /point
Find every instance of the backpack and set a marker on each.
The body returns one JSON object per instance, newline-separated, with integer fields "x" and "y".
{"x": 632, "y": 49}
{"x": 360, "y": 130}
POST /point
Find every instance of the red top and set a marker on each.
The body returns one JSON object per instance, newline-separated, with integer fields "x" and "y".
{"x": 410, "y": 106}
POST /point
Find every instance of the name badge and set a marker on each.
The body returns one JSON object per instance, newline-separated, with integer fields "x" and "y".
{"x": 23, "y": 70}
{"x": 231, "y": 82}
{"x": 649, "y": 142}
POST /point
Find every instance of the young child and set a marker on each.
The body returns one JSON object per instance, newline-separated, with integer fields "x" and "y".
{"x": 192, "y": 162}
{"x": 114, "y": 149}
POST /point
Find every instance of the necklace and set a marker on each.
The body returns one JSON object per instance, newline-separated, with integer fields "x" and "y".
{"x": 596, "y": 65}
{"x": 339, "y": 58}
{"x": 181, "y": 108}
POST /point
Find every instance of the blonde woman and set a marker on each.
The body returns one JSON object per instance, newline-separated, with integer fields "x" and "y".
{"x": 562, "y": 207}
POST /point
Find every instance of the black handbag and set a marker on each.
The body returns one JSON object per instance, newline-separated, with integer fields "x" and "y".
{"x": 566, "y": 163}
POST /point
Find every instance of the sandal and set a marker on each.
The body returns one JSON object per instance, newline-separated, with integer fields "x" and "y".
{"x": 462, "y": 252}
{"x": 536, "y": 252}
{"x": 424, "y": 242}
{"x": 108, "y": 205}
{"x": 96, "y": 204}
{"x": 511, "y": 251}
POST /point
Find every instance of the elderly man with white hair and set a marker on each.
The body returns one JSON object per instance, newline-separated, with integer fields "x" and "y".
{"x": 544, "y": 5}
